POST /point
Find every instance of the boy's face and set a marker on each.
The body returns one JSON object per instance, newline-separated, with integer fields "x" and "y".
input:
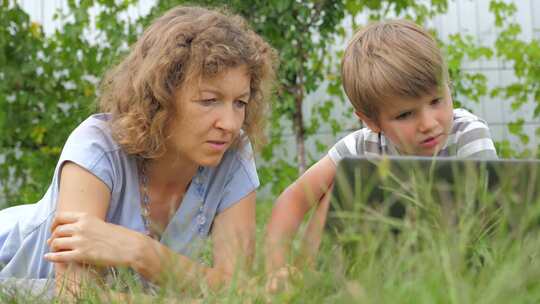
{"x": 416, "y": 126}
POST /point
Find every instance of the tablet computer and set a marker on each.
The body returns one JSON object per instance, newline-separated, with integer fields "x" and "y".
{"x": 394, "y": 191}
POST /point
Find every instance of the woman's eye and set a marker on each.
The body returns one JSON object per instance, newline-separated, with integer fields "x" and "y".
{"x": 436, "y": 101}
{"x": 404, "y": 115}
{"x": 240, "y": 103}
{"x": 208, "y": 102}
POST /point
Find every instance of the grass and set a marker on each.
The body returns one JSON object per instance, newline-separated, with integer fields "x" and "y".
{"x": 474, "y": 250}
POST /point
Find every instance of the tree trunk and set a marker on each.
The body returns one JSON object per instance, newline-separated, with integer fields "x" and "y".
{"x": 299, "y": 135}
{"x": 298, "y": 123}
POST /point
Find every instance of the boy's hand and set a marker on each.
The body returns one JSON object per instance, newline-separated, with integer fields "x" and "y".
{"x": 279, "y": 280}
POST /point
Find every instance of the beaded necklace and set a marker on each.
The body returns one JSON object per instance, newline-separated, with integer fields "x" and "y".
{"x": 145, "y": 200}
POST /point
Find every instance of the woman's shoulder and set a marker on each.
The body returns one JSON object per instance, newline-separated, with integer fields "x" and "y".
{"x": 240, "y": 156}
{"x": 94, "y": 132}
{"x": 237, "y": 163}
{"x": 92, "y": 147}
{"x": 236, "y": 175}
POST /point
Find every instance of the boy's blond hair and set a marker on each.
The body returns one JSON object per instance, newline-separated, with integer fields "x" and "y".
{"x": 388, "y": 59}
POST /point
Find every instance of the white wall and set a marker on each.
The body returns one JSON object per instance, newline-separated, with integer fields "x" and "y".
{"x": 473, "y": 17}
{"x": 42, "y": 11}
{"x": 463, "y": 16}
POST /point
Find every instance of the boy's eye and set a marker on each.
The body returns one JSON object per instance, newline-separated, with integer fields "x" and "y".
{"x": 436, "y": 101}
{"x": 404, "y": 115}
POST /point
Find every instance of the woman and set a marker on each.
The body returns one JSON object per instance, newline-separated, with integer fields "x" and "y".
{"x": 166, "y": 164}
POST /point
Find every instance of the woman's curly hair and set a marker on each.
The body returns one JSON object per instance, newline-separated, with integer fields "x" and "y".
{"x": 183, "y": 44}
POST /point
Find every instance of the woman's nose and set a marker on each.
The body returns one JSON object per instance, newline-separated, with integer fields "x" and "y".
{"x": 230, "y": 119}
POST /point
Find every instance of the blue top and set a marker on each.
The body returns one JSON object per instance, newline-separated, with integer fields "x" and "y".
{"x": 25, "y": 229}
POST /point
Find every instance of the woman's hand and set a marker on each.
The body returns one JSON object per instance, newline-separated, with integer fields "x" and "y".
{"x": 82, "y": 238}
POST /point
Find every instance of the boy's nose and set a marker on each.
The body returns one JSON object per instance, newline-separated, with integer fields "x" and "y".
{"x": 427, "y": 122}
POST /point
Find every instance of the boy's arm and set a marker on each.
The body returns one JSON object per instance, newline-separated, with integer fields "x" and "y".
{"x": 291, "y": 207}
{"x": 311, "y": 238}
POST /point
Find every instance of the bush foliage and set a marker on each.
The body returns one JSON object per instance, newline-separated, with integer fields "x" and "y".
{"x": 48, "y": 82}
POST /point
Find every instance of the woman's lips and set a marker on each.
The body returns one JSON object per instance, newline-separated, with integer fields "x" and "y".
{"x": 217, "y": 145}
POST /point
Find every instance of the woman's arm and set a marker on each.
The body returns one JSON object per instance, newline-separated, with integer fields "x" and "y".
{"x": 80, "y": 191}
{"x": 84, "y": 237}
{"x": 81, "y": 240}
{"x": 233, "y": 235}
{"x": 291, "y": 207}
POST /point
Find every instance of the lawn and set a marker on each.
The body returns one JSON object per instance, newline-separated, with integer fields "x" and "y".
{"x": 476, "y": 251}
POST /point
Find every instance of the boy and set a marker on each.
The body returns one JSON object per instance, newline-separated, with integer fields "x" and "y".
{"x": 397, "y": 82}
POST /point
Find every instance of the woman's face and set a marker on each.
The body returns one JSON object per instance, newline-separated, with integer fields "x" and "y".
{"x": 209, "y": 116}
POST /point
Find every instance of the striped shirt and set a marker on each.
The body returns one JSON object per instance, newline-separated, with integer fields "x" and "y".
{"x": 469, "y": 138}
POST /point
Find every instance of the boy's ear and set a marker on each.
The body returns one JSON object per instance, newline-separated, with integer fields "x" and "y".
{"x": 368, "y": 121}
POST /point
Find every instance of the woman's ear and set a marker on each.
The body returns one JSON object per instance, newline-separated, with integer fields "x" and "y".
{"x": 372, "y": 124}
